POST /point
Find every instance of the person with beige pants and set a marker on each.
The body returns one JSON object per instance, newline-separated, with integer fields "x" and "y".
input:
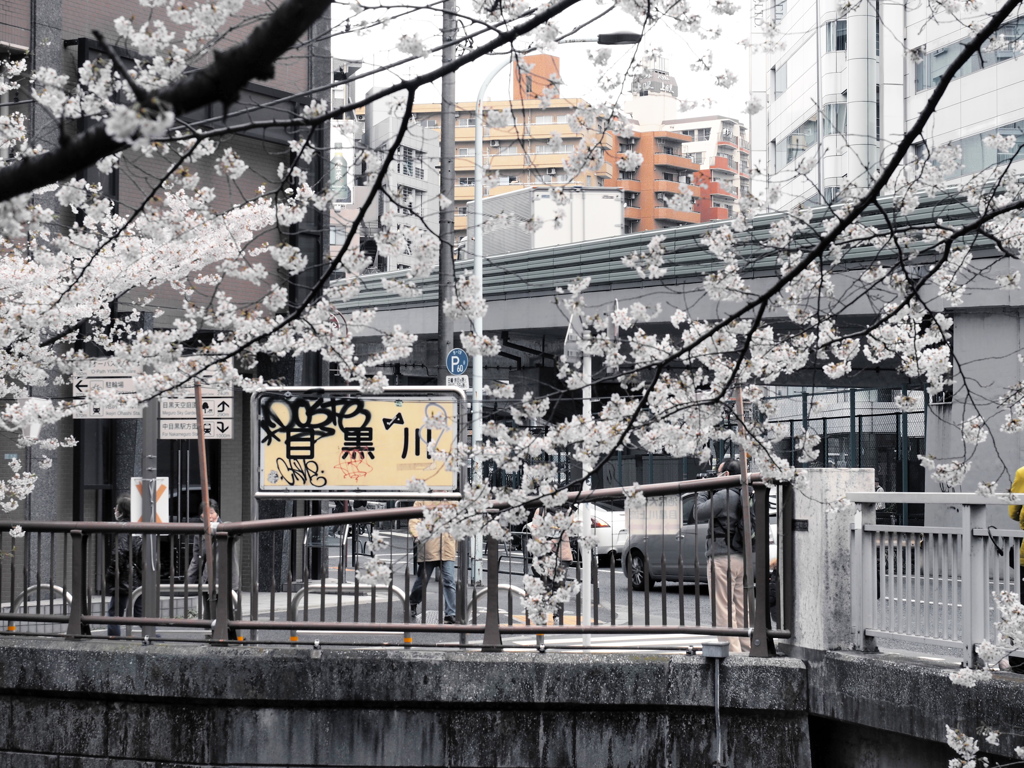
{"x": 724, "y": 512}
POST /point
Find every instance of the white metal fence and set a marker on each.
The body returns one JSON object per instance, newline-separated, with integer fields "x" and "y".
{"x": 932, "y": 585}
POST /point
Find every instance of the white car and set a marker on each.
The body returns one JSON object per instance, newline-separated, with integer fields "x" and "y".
{"x": 608, "y": 526}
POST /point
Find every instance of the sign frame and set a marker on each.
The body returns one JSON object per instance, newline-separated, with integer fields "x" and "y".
{"x": 448, "y": 395}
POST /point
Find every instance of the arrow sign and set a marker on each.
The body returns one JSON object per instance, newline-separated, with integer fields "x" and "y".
{"x": 108, "y": 375}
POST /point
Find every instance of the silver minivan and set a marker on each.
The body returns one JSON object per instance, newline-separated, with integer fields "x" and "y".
{"x": 667, "y": 543}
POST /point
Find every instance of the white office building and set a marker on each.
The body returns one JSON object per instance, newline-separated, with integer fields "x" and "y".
{"x": 848, "y": 84}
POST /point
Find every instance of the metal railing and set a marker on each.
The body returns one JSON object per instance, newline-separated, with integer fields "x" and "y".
{"x": 932, "y": 585}
{"x": 303, "y": 581}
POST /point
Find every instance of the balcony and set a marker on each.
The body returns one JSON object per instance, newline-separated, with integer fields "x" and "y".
{"x": 663, "y": 185}
{"x": 721, "y": 188}
{"x": 678, "y": 217}
{"x": 631, "y": 212}
{"x": 670, "y": 160}
{"x": 732, "y": 140}
{"x": 626, "y": 185}
{"x": 722, "y": 164}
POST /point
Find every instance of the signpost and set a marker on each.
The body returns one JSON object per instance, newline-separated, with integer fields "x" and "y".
{"x": 178, "y": 415}
{"x": 339, "y": 442}
{"x": 105, "y": 374}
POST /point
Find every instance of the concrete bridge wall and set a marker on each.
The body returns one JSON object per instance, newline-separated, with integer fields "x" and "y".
{"x": 100, "y": 703}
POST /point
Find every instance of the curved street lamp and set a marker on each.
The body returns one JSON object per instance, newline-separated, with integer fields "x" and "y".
{"x": 609, "y": 38}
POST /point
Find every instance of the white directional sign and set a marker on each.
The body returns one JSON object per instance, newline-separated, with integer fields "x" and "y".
{"x": 178, "y": 417}
{"x": 105, "y": 375}
{"x": 178, "y": 414}
{"x": 457, "y": 381}
{"x": 186, "y": 429}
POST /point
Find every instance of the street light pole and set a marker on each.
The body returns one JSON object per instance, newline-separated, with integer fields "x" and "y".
{"x": 446, "y": 215}
{"x": 478, "y": 259}
{"x": 608, "y": 38}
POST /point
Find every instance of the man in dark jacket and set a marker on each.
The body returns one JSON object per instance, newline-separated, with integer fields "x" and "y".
{"x": 724, "y": 512}
{"x": 124, "y": 570}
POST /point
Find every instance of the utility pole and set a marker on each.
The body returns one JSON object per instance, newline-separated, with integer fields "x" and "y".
{"x": 446, "y": 220}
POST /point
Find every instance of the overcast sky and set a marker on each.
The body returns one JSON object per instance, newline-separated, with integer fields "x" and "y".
{"x": 680, "y": 51}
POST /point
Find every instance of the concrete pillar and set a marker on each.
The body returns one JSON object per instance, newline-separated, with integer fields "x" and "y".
{"x": 862, "y": 68}
{"x": 822, "y": 607}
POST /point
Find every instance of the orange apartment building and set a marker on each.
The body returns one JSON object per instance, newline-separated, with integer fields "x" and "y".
{"x": 719, "y": 146}
{"x": 648, "y": 190}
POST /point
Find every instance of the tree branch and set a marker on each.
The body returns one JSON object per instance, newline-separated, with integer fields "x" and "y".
{"x": 221, "y": 81}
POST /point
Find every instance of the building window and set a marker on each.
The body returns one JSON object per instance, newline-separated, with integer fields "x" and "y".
{"x": 628, "y": 175}
{"x": 703, "y": 134}
{"x": 835, "y": 118}
{"x": 465, "y": 181}
{"x": 670, "y": 177}
{"x": 697, "y": 158}
{"x": 779, "y": 82}
{"x": 1013, "y": 129}
{"x": 798, "y": 142}
{"x": 831, "y": 195}
{"x": 466, "y": 122}
{"x": 975, "y": 155}
{"x": 929, "y": 66}
{"x": 462, "y": 210}
{"x": 878, "y": 112}
{"x": 835, "y": 35}
{"x": 408, "y": 162}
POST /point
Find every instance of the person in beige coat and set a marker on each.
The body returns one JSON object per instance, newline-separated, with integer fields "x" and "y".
{"x": 436, "y": 552}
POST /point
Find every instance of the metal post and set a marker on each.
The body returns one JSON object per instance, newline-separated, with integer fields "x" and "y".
{"x": 254, "y": 506}
{"x": 760, "y": 643}
{"x": 492, "y": 634}
{"x": 974, "y": 582}
{"x": 757, "y": 645}
{"x": 79, "y": 592}
{"x": 204, "y": 484}
{"x": 222, "y": 592}
{"x": 904, "y": 464}
{"x": 854, "y": 457}
{"x": 787, "y": 572}
{"x": 586, "y": 587}
{"x": 863, "y": 590}
{"x": 150, "y": 550}
{"x": 478, "y": 274}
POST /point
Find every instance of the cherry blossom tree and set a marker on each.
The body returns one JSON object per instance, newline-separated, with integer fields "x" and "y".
{"x": 79, "y": 270}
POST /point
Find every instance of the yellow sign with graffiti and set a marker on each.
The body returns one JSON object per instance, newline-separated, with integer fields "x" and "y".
{"x": 338, "y": 440}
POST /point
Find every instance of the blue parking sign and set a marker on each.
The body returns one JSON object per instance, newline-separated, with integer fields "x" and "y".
{"x": 457, "y": 362}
